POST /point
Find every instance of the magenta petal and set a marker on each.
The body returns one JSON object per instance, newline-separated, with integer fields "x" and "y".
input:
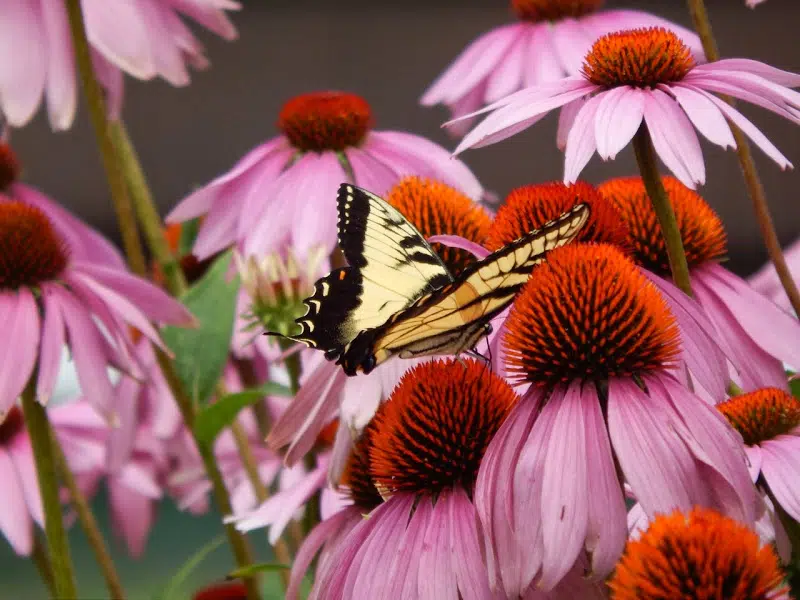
{"x": 132, "y": 514}
{"x": 21, "y": 453}
{"x": 403, "y": 572}
{"x": 754, "y": 458}
{"x": 781, "y": 469}
{"x": 456, "y": 241}
{"x": 52, "y": 348}
{"x": 20, "y": 345}
{"x": 218, "y": 230}
{"x": 15, "y": 522}
{"x": 581, "y": 143}
{"x": 466, "y": 558}
{"x": 121, "y": 439}
{"x": 436, "y": 577}
{"x": 618, "y": 117}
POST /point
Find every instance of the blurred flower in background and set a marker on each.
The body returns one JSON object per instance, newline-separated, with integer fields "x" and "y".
{"x": 766, "y": 281}
{"x": 143, "y": 38}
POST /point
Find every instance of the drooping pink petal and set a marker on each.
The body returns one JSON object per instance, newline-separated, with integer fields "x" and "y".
{"x": 15, "y": 521}
{"x": 315, "y": 221}
{"x": 20, "y": 346}
{"x": 541, "y": 63}
{"x": 581, "y": 143}
{"x": 781, "y": 469}
{"x": 456, "y": 241}
{"x": 52, "y": 348}
{"x": 674, "y": 138}
{"x": 571, "y": 42}
{"x": 126, "y": 47}
{"x": 754, "y": 458}
{"x": 754, "y": 67}
{"x": 60, "y": 85}
{"x": 618, "y": 117}
{"x": 21, "y": 453}
{"x": 466, "y": 553}
{"x": 120, "y": 439}
{"x": 132, "y": 514}
{"x": 218, "y": 230}
{"x": 703, "y": 114}
{"x": 369, "y": 172}
{"x": 402, "y": 575}
{"x": 112, "y": 81}
{"x": 506, "y": 76}
{"x": 255, "y": 191}
{"x": 436, "y": 577}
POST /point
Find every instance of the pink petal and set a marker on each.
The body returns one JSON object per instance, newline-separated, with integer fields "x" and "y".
{"x": 456, "y": 241}
{"x": 218, "y": 230}
{"x": 126, "y": 47}
{"x": 566, "y": 118}
{"x": 15, "y": 522}
{"x": 255, "y": 191}
{"x": 506, "y": 77}
{"x": 466, "y": 556}
{"x": 618, "y": 117}
{"x": 19, "y": 351}
{"x": 60, "y": 86}
{"x": 754, "y": 67}
{"x": 674, "y": 138}
{"x": 52, "y": 348}
{"x": 541, "y": 64}
{"x": 436, "y": 577}
{"x": 314, "y": 199}
{"x": 21, "y": 453}
{"x": 132, "y": 515}
{"x": 571, "y": 43}
{"x": 112, "y": 81}
{"x": 120, "y": 439}
{"x": 581, "y": 142}
{"x": 754, "y": 459}
{"x": 24, "y": 67}
{"x": 751, "y": 88}
{"x": 781, "y": 468}
{"x": 703, "y": 114}
{"x": 371, "y": 173}
{"x": 402, "y": 575}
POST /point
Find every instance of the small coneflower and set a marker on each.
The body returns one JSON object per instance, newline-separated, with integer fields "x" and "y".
{"x": 52, "y": 299}
{"x": 646, "y": 76}
{"x": 547, "y": 43}
{"x": 769, "y": 422}
{"x": 698, "y": 555}
{"x": 595, "y": 341}
{"x": 755, "y": 334}
{"x": 284, "y": 191}
{"x": 766, "y": 281}
{"x": 436, "y": 208}
{"x": 143, "y": 38}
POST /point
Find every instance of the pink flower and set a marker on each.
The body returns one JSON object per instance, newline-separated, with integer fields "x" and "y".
{"x": 548, "y": 43}
{"x": 594, "y": 340}
{"x": 52, "y": 299}
{"x": 766, "y": 282}
{"x": 754, "y": 334}
{"x": 646, "y": 76}
{"x": 143, "y": 38}
{"x": 753, "y": 3}
{"x": 283, "y": 192}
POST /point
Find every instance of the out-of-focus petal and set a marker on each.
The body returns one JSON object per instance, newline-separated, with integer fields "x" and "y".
{"x": 20, "y": 346}
{"x": 15, "y": 521}
{"x": 21, "y": 453}
{"x": 62, "y": 97}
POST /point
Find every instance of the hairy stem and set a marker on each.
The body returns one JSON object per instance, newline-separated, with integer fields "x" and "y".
{"x": 42, "y": 562}
{"x": 758, "y": 197}
{"x": 88, "y": 522}
{"x": 646, "y": 158}
{"x": 57, "y": 544}
{"x": 97, "y": 113}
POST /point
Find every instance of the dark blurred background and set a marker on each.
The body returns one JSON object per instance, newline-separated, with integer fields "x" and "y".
{"x": 388, "y": 52}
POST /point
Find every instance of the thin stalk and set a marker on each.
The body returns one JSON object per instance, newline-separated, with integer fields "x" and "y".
{"x": 42, "y": 562}
{"x": 57, "y": 544}
{"x": 646, "y": 158}
{"x": 702, "y": 24}
{"x": 247, "y": 374}
{"x": 146, "y": 210}
{"x": 791, "y": 526}
{"x": 88, "y": 523}
{"x": 97, "y": 113}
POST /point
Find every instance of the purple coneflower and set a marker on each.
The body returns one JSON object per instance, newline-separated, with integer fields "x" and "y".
{"x": 756, "y": 335}
{"x": 646, "y": 76}
{"x": 595, "y": 341}
{"x": 52, "y": 299}
{"x": 696, "y": 555}
{"x": 548, "y": 43}
{"x": 143, "y": 38}
{"x": 283, "y": 192}
{"x": 766, "y": 282}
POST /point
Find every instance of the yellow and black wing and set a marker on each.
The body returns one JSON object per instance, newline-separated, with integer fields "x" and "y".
{"x": 390, "y": 266}
{"x": 453, "y": 318}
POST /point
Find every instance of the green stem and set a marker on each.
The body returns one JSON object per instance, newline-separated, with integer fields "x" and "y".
{"x": 646, "y": 158}
{"x": 247, "y": 374}
{"x": 88, "y": 523}
{"x": 57, "y": 544}
{"x": 96, "y": 103}
{"x": 146, "y": 210}
{"x": 42, "y": 562}
{"x": 758, "y": 197}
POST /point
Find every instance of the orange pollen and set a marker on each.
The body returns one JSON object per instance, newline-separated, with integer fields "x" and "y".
{"x": 357, "y": 478}
{"x": 587, "y": 313}
{"x": 9, "y": 166}
{"x": 704, "y": 556}
{"x": 31, "y": 252}
{"x": 435, "y": 208}
{"x": 11, "y": 426}
{"x": 321, "y": 121}
{"x": 553, "y": 10}
{"x": 638, "y": 57}
{"x": 531, "y": 206}
{"x": 701, "y": 229}
{"x": 433, "y": 431}
{"x": 762, "y": 415}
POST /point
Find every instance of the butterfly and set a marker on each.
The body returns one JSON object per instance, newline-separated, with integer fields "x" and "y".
{"x": 396, "y": 297}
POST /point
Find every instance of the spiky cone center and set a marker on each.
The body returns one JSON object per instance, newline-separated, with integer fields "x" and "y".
{"x": 762, "y": 415}
{"x": 701, "y": 229}
{"x": 9, "y": 166}
{"x": 702, "y": 556}
{"x": 357, "y": 479}
{"x": 31, "y": 251}
{"x": 434, "y": 430}
{"x": 11, "y": 426}
{"x": 641, "y": 58}
{"x": 553, "y": 10}
{"x": 532, "y": 206}
{"x": 588, "y": 314}
{"x": 435, "y": 208}
{"x": 329, "y": 120}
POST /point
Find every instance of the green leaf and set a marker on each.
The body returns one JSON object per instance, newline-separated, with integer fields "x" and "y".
{"x": 794, "y": 386}
{"x": 189, "y": 231}
{"x": 212, "y": 419}
{"x": 179, "y": 579}
{"x": 200, "y": 353}
{"x": 251, "y": 570}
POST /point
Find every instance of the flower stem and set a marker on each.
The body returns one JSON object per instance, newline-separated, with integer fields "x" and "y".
{"x": 702, "y": 24}
{"x": 42, "y": 562}
{"x": 88, "y": 522}
{"x": 146, "y": 210}
{"x": 57, "y": 544}
{"x": 646, "y": 158}
{"x": 97, "y": 113}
